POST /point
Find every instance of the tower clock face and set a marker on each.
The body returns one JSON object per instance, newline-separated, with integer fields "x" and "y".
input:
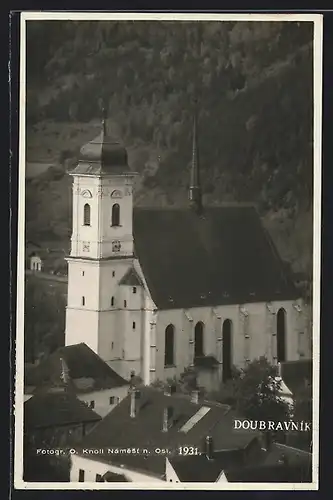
{"x": 116, "y": 246}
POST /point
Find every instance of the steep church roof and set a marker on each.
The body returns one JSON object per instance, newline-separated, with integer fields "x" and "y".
{"x": 224, "y": 256}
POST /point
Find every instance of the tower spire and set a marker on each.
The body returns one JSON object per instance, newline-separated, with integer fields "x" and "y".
{"x": 195, "y": 195}
{"x": 104, "y": 116}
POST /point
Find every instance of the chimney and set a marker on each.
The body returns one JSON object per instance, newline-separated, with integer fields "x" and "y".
{"x": 167, "y": 416}
{"x": 279, "y": 371}
{"x": 195, "y": 396}
{"x": 209, "y": 447}
{"x": 64, "y": 371}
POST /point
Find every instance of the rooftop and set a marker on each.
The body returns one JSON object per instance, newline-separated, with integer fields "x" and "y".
{"x": 87, "y": 372}
{"x": 102, "y": 156}
{"x": 223, "y": 257}
{"x": 131, "y": 278}
{"x": 145, "y": 430}
{"x": 297, "y": 375}
{"x": 52, "y": 409}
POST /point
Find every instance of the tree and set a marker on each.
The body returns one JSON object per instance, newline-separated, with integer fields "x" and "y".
{"x": 186, "y": 383}
{"x": 254, "y": 392}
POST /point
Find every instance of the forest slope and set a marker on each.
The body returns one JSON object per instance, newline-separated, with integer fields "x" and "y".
{"x": 254, "y": 83}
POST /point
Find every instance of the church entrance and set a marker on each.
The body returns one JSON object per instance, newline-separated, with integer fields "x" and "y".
{"x": 226, "y": 350}
{"x": 281, "y": 335}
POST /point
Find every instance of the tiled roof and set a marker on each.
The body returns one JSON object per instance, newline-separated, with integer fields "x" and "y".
{"x": 200, "y": 469}
{"x": 222, "y": 257}
{"x": 299, "y": 473}
{"x": 145, "y": 431}
{"x": 280, "y": 464}
{"x": 52, "y": 409}
{"x": 87, "y": 372}
{"x": 131, "y": 278}
{"x": 207, "y": 362}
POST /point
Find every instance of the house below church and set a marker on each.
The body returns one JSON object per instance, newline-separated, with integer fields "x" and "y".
{"x": 80, "y": 370}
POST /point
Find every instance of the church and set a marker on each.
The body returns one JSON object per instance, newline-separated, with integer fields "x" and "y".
{"x": 157, "y": 290}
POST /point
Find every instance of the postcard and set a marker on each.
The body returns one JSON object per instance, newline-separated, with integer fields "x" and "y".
{"x": 168, "y": 287}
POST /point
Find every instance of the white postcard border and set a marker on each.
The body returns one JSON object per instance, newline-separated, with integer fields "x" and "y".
{"x": 317, "y": 19}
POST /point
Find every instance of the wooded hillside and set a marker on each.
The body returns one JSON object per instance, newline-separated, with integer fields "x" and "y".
{"x": 255, "y": 120}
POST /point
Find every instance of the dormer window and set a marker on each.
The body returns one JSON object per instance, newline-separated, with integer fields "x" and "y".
{"x": 115, "y": 215}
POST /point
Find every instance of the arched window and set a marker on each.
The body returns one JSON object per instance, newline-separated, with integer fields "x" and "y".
{"x": 86, "y": 215}
{"x": 281, "y": 335}
{"x": 227, "y": 350}
{"x": 198, "y": 340}
{"x": 115, "y": 216}
{"x": 169, "y": 345}
{"x": 112, "y": 301}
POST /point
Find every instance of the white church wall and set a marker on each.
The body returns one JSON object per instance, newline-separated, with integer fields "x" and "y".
{"x": 108, "y": 336}
{"x": 82, "y": 327}
{"x": 109, "y": 284}
{"x": 261, "y": 341}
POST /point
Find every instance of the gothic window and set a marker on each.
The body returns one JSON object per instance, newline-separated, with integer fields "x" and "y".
{"x": 133, "y": 325}
{"x": 227, "y": 350}
{"x": 169, "y": 345}
{"x": 198, "y": 340}
{"x": 83, "y": 301}
{"x": 281, "y": 335}
{"x": 112, "y": 301}
{"x": 86, "y": 215}
{"x": 115, "y": 216}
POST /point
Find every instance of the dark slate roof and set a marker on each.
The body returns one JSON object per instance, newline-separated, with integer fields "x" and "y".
{"x": 112, "y": 477}
{"x": 198, "y": 468}
{"x": 52, "y": 409}
{"x": 131, "y": 278}
{"x": 297, "y": 375}
{"x": 205, "y": 362}
{"x": 119, "y": 430}
{"x": 298, "y": 473}
{"x": 279, "y": 451}
{"x": 280, "y": 464}
{"x": 87, "y": 372}
{"x": 222, "y": 257}
{"x": 102, "y": 156}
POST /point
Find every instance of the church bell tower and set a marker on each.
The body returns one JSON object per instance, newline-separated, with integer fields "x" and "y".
{"x": 101, "y": 242}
